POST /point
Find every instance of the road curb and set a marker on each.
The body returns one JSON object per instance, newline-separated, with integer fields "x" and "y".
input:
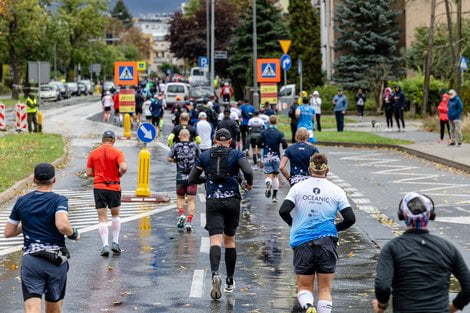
{"x": 420, "y": 154}
{"x": 19, "y": 186}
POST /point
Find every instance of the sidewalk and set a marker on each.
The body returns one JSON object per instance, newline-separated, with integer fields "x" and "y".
{"x": 425, "y": 143}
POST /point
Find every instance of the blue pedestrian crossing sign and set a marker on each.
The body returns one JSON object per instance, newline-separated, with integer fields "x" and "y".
{"x": 286, "y": 62}
{"x": 268, "y": 70}
{"x": 126, "y": 73}
{"x": 203, "y": 62}
{"x": 146, "y": 132}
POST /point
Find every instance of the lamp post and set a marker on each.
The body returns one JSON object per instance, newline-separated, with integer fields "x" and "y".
{"x": 255, "y": 57}
{"x": 211, "y": 80}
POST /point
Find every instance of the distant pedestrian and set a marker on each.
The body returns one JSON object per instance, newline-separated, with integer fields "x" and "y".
{"x": 455, "y": 118}
{"x": 416, "y": 267}
{"x": 184, "y": 124}
{"x": 205, "y": 130}
{"x": 107, "y": 164}
{"x": 387, "y": 106}
{"x": 442, "y": 108}
{"x": 156, "y": 107}
{"x": 146, "y": 109}
{"x": 226, "y": 92}
{"x": 398, "y": 104}
{"x": 231, "y": 126}
{"x": 310, "y": 208}
{"x": 107, "y": 103}
{"x": 293, "y": 118}
{"x": 185, "y": 154}
{"x": 256, "y": 126}
{"x": 267, "y": 109}
{"x": 247, "y": 111}
{"x": 360, "y": 103}
{"x": 42, "y": 217}
{"x": 139, "y": 101}
{"x": 117, "y": 114}
{"x": 315, "y": 102}
{"x": 340, "y": 106}
{"x": 305, "y": 118}
{"x": 32, "y": 107}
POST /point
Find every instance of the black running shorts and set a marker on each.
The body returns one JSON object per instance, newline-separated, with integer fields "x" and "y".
{"x": 316, "y": 256}
{"x": 39, "y": 276}
{"x": 107, "y": 198}
{"x": 222, "y": 216}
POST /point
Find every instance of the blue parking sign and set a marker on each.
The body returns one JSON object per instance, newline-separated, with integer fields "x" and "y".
{"x": 203, "y": 62}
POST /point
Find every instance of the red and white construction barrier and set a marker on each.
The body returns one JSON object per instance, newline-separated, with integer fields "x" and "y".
{"x": 21, "y": 117}
{"x": 3, "y": 124}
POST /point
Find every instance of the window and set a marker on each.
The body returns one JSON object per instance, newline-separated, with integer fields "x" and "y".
{"x": 175, "y": 88}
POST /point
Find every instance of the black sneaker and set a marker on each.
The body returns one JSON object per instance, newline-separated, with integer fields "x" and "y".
{"x": 459, "y": 144}
{"x": 216, "y": 293}
{"x": 267, "y": 193}
{"x": 105, "y": 251}
{"x": 115, "y": 248}
{"x": 229, "y": 285}
{"x": 452, "y": 144}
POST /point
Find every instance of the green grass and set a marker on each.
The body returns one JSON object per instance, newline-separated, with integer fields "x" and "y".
{"x": 21, "y": 152}
{"x": 11, "y": 102}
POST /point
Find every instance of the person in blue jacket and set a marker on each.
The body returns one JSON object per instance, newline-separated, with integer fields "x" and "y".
{"x": 398, "y": 105}
{"x": 455, "y": 118}
{"x": 340, "y": 103}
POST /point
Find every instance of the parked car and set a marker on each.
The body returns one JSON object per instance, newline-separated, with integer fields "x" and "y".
{"x": 107, "y": 86}
{"x": 199, "y": 94}
{"x": 63, "y": 90}
{"x": 81, "y": 89}
{"x": 174, "y": 90}
{"x": 49, "y": 93}
{"x": 198, "y": 77}
{"x": 73, "y": 88}
{"x": 90, "y": 86}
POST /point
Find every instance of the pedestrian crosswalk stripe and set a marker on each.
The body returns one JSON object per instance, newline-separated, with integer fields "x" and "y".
{"x": 82, "y": 214}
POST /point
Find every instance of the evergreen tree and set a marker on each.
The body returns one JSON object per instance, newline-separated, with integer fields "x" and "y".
{"x": 367, "y": 43}
{"x": 304, "y": 27}
{"x": 270, "y": 29}
{"x": 121, "y": 12}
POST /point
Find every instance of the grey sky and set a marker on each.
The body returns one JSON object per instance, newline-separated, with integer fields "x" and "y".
{"x": 138, "y": 7}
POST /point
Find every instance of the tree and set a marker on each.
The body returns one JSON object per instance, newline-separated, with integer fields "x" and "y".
{"x": 270, "y": 29}
{"x": 427, "y": 69}
{"x": 121, "y": 12}
{"x": 304, "y": 27}
{"x": 368, "y": 39}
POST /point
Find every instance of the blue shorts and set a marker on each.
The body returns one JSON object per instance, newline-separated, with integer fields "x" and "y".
{"x": 271, "y": 167}
{"x": 39, "y": 276}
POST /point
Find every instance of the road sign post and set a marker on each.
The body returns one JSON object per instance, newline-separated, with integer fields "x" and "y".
{"x": 286, "y": 64}
{"x": 146, "y": 133}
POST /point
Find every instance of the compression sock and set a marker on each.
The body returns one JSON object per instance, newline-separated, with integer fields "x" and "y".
{"x": 214, "y": 256}
{"x": 180, "y": 211}
{"x": 116, "y": 225}
{"x": 268, "y": 181}
{"x": 189, "y": 219}
{"x": 276, "y": 183}
{"x": 324, "y": 306}
{"x": 305, "y": 297}
{"x": 103, "y": 229}
{"x": 274, "y": 193}
{"x": 254, "y": 158}
{"x": 230, "y": 260}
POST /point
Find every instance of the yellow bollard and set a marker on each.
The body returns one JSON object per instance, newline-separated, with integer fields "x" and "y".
{"x": 127, "y": 126}
{"x": 40, "y": 121}
{"x": 143, "y": 174}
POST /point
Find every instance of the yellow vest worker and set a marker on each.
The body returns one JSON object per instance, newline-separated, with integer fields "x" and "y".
{"x": 31, "y": 104}
{"x": 32, "y": 108}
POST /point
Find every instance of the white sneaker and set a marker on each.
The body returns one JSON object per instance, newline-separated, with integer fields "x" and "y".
{"x": 181, "y": 221}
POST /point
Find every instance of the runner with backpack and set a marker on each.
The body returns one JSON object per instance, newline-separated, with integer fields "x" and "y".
{"x": 256, "y": 126}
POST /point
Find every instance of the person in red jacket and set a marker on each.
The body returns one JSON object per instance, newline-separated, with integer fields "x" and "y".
{"x": 117, "y": 115}
{"x": 442, "y": 108}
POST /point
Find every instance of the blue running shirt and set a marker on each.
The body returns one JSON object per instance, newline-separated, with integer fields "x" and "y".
{"x": 306, "y": 117}
{"x": 317, "y": 201}
{"x": 299, "y": 156}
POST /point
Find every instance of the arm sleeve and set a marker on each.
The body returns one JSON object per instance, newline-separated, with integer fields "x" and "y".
{"x": 170, "y": 139}
{"x": 286, "y": 207}
{"x": 460, "y": 271}
{"x": 348, "y": 219}
{"x": 385, "y": 271}
{"x": 246, "y": 169}
{"x": 195, "y": 176}
{"x": 284, "y": 143}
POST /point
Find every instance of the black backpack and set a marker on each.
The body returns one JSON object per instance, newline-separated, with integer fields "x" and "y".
{"x": 218, "y": 166}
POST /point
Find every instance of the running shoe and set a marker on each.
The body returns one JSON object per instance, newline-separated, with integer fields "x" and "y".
{"x": 115, "y": 248}
{"x": 229, "y": 285}
{"x": 274, "y": 198}
{"x": 267, "y": 193}
{"x": 189, "y": 227}
{"x": 310, "y": 309}
{"x": 181, "y": 221}
{"x": 105, "y": 251}
{"x": 216, "y": 293}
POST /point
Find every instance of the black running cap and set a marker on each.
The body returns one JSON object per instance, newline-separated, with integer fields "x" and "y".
{"x": 223, "y": 134}
{"x": 109, "y": 134}
{"x": 44, "y": 171}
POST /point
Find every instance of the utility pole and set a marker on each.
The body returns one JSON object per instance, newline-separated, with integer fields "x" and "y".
{"x": 255, "y": 57}
{"x": 208, "y": 26}
{"x": 211, "y": 80}
{"x": 55, "y": 62}
{"x": 427, "y": 69}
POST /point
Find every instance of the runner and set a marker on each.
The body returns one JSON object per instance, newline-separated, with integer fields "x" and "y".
{"x": 107, "y": 165}
{"x": 271, "y": 139}
{"x": 205, "y": 131}
{"x": 226, "y": 92}
{"x": 231, "y": 126}
{"x": 156, "y": 107}
{"x": 416, "y": 267}
{"x": 255, "y": 127}
{"x": 314, "y": 204}
{"x": 107, "y": 103}
{"x": 184, "y": 124}
{"x": 42, "y": 217}
{"x": 146, "y": 109}
{"x": 299, "y": 155}
{"x": 305, "y": 118}
{"x": 184, "y": 153}
{"x": 247, "y": 111}
{"x": 222, "y": 204}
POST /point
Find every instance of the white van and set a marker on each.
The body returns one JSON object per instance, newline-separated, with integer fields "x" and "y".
{"x": 286, "y": 97}
{"x": 198, "y": 77}
{"x": 174, "y": 90}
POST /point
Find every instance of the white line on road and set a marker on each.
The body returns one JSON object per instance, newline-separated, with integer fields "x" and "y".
{"x": 203, "y": 219}
{"x": 197, "y": 284}
{"x": 205, "y": 245}
{"x": 202, "y": 197}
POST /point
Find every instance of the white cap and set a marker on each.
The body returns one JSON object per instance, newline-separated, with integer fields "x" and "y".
{"x": 315, "y": 93}
{"x": 202, "y": 115}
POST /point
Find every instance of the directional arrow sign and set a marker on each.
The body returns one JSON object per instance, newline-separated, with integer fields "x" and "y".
{"x": 146, "y": 132}
{"x": 286, "y": 62}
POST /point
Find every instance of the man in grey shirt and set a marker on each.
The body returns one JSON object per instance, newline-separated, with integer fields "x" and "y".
{"x": 205, "y": 131}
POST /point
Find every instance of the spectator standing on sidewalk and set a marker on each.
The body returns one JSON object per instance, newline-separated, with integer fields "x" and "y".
{"x": 398, "y": 104}
{"x": 310, "y": 208}
{"x": 341, "y": 105}
{"x": 293, "y": 118}
{"x": 315, "y": 102}
{"x": 32, "y": 111}
{"x": 455, "y": 118}
{"x": 387, "y": 106}
{"x": 415, "y": 267}
{"x": 442, "y": 108}
{"x": 360, "y": 103}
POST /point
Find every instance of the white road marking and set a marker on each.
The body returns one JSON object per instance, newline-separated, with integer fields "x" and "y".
{"x": 205, "y": 245}
{"x": 197, "y": 284}
{"x": 203, "y": 219}
{"x": 202, "y": 197}
{"x": 361, "y": 200}
{"x": 454, "y": 219}
{"x": 163, "y": 146}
